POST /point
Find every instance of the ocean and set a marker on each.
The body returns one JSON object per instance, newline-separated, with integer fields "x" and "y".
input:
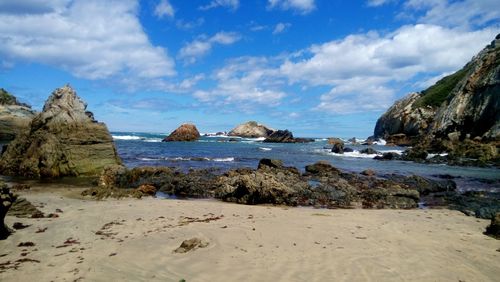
{"x": 146, "y": 149}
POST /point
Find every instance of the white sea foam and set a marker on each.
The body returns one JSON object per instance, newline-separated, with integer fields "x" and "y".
{"x": 392, "y": 151}
{"x": 265, "y": 149}
{"x": 127, "y": 137}
{"x": 148, "y": 159}
{"x": 354, "y": 154}
{"x": 380, "y": 142}
{"x": 433, "y": 155}
{"x": 152, "y": 140}
{"x": 230, "y": 159}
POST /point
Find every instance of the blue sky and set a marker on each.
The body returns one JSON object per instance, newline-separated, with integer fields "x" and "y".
{"x": 315, "y": 67}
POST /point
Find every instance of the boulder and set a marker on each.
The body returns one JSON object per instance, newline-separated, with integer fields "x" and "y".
{"x": 321, "y": 168}
{"x": 399, "y": 139}
{"x": 388, "y": 156}
{"x": 190, "y": 245}
{"x": 15, "y": 117}
{"x": 185, "y": 132}
{"x": 63, "y": 140}
{"x": 338, "y": 145}
{"x": 251, "y": 129}
{"x": 494, "y": 228}
{"x": 368, "y": 172}
{"x": 147, "y": 189}
{"x": 6, "y": 201}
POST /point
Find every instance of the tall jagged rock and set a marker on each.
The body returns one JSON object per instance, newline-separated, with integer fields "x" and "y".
{"x": 185, "y": 132}
{"x": 251, "y": 129}
{"x": 462, "y": 107}
{"x": 15, "y": 117}
{"x": 62, "y": 140}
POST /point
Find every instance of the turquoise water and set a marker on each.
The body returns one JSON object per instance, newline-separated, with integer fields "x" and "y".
{"x": 146, "y": 149}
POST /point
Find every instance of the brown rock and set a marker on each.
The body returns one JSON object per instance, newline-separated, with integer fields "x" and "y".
{"x": 191, "y": 245}
{"x": 494, "y": 228}
{"x": 147, "y": 189}
{"x": 185, "y": 132}
{"x": 63, "y": 140}
{"x": 368, "y": 172}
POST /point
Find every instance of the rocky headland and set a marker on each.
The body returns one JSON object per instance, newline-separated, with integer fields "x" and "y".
{"x": 63, "y": 140}
{"x": 15, "y": 117}
{"x": 186, "y": 132}
{"x": 459, "y": 115}
{"x": 251, "y": 129}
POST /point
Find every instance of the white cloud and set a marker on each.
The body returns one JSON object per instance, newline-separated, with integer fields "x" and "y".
{"x": 301, "y": 6}
{"x": 361, "y": 68}
{"x": 189, "y": 83}
{"x": 376, "y": 3}
{"x": 281, "y": 27}
{"x": 164, "y": 9}
{"x": 90, "y": 39}
{"x": 187, "y": 25}
{"x": 200, "y": 47}
{"x": 244, "y": 83}
{"x": 231, "y": 4}
{"x": 32, "y": 6}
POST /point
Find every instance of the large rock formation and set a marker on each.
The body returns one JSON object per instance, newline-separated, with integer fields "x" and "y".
{"x": 62, "y": 140}
{"x": 251, "y": 129}
{"x": 15, "y": 117}
{"x": 285, "y": 136}
{"x": 185, "y": 132}
{"x": 460, "y": 107}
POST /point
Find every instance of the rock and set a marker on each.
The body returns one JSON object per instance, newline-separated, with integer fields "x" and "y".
{"x": 480, "y": 204}
{"x": 493, "y": 229}
{"x": 388, "y": 156}
{"x": 24, "y": 209}
{"x": 62, "y": 140}
{"x": 368, "y": 172}
{"x": 321, "y": 168}
{"x": 190, "y": 245}
{"x": 6, "y": 201}
{"x": 338, "y": 145}
{"x": 280, "y": 136}
{"x": 399, "y": 139}
{"x": 369, "y": 151}
{"x": 270, "y": 163}
{"x": 424, "y": 186}
{"x": 251, "y": 129}
{"x": 15, "y": 117}
{"x": 348, "y": 150}
{"x": 304, "y": 140}
{"x": 146, "y": 189}
{"x": 392, "y": 197}
{"x": 353, "y": 141}
{"x": 185, "y": 132}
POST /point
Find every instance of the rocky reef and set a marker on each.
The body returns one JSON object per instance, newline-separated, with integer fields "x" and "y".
{"x": 15, "y": 117}
{"x": 459, "y": 115}
{"x": 185, "y": 132}
{"x": 63, "y": 140}
{"x": 285, "y": 136}
{"x": 251, "y": 129}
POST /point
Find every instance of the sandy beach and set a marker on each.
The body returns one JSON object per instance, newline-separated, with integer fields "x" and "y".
{"x": 134, "y": 240}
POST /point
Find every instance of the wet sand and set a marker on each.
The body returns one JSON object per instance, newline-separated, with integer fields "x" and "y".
{"x": 134, "y": 240}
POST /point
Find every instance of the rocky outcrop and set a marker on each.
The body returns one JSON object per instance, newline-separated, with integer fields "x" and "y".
{"x": 461, "y": 108}
{"x": 338, "y": 145}
{"x": 403, "y": 118}
{"x": 185, "y": 132}
{"x": 251, "y": 129}
{"x": 15, "y": 117}
{"x": 62, "y": 140}
{"x": 285, "y": 136}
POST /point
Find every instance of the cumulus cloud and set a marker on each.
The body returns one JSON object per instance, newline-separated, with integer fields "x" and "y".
{"x": 301, "y": 6}
{"x": 88, "y": 38}
{"x": 245, "y": 82}
{"x": 376, "y": 3}
{"x": 231, "y": 4}
{"x": 360, "y": 67}
{"x": 281, "y": 27}
{"x": 164, "y": 9}
{"x": 200, "y": 47}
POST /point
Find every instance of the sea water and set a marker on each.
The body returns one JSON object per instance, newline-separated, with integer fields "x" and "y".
{"x": 224, "y": 153}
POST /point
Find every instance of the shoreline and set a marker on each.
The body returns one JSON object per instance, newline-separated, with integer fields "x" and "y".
{"x": 262, "y": 242}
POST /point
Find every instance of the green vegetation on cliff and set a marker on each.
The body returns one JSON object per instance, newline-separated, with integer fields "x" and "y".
{"x": 6, "y": 98}
{"x": 435, "y": 95}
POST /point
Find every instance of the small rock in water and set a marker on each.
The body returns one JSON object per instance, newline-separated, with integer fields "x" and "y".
{"x": 190, "y": 245}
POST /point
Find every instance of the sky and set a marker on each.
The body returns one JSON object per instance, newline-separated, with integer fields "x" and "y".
{"x": 316, "y": 67}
